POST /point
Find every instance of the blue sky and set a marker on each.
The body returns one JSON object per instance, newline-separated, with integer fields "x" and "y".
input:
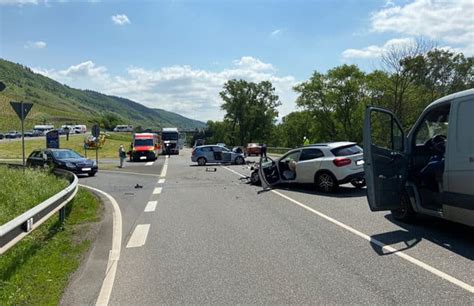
{"x": 177, "y": 54}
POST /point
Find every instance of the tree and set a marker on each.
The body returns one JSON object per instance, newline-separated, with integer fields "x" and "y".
{"x": 335, "y": 101}
{"x": 250, "y": 109}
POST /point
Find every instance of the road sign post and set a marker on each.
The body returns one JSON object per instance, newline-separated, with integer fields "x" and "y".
{"x": 96, "y": 134}
{"x": 22, "y": 109}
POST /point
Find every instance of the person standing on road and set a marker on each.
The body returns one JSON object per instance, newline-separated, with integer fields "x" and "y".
{"x": 264, "y": 150}
{"x": 122, "y": 155}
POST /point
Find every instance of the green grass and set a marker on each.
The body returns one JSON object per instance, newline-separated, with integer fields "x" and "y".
{"x": 37, "y": 269}
{"x": 37, "y": 186}
{"x": 12, "y": 149}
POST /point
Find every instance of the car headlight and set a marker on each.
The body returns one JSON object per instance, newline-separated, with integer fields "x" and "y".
{"x": 70, "y": 165}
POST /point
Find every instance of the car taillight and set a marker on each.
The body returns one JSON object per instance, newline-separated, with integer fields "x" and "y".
{"x": 340, "y": 162}
{"x": 194, "y": 152}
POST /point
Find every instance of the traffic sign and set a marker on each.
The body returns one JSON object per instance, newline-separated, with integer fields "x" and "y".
{"x": 52, "y": 139}
{"x": 21, "y": 108}
{"x": 95, "y": 130}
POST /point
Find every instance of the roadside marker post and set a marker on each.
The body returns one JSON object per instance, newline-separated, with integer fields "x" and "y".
{"x": 96, "y": 134}
{"x": 22, "y": 109}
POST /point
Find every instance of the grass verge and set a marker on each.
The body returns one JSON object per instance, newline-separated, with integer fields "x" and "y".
{"x": 37, "y": 270}
{"x": 12, "y": 149}
{"x": 23, "y": 189}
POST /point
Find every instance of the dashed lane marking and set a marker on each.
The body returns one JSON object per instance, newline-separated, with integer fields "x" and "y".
{"x": 161, "y": 181}
{"x": 385, "y": 247}
{"x": 139, "y": 235}
{"x": 157, "y": 190}
{"x": 149, "y": 163}
{"x": 151, "y": 206}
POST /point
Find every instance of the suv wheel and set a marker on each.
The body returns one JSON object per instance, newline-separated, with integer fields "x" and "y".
{"x": 201, "y": 161}
{"x": 326, "y": 182}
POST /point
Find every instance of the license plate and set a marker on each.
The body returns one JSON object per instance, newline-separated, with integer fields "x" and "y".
{"x": 360, "y": 162}
{"x": 142, "y": 157}
{"x": 86, "y": 169}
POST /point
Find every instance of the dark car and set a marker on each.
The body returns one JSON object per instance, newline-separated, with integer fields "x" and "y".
{"x": 2, "y": 136}
{"x": 64, "y": 159}
{"x": 13, "y": 135}
{"x": 33, "y": 133}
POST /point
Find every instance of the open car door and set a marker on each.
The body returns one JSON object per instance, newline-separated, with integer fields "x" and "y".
{"x": 268, "y": 172}
{"x": 385, "y": 159}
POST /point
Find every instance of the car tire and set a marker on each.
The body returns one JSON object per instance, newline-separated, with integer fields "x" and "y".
{"x": 326, "y": 182}
{"x": 239, "y": 160}
{"x": 358, "y": 184}
{"x": 255, "y": 178}
{"x": 406, "y": 213}
{"x": 91, "y": 174}
{"x": 201, "y": 161}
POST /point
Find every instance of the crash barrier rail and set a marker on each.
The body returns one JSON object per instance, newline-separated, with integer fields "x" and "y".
{"x": 15, "y": 230}
{"x": 277, "y": 150}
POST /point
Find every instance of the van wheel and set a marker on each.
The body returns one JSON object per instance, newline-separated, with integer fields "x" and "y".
{"x": 201, "y": 161}
{"x": 326, "y": 182}
{"x": 405, "y": 213}
{"x": 239, "y": 160}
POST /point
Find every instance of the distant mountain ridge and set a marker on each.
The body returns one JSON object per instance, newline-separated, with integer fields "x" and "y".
{"x": 58, "y": 104}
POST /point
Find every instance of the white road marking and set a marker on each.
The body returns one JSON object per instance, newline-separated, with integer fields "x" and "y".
{"x": 139, "y": 235}
{"x": 151, "y": 206}
{"x": 161, "y": 181}
{"x": 157, "y": 190}
{"x": 385, "y": 247}
{"x": 149, "y": 163}
{"x": 114, "y": 254}
{"x": 164, "y": 170}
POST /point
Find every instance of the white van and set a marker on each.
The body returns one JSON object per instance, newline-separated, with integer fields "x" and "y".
{"x": 431, "y": 171}
{"x": 123, "y": 128}
{"x": 80, "y": 129}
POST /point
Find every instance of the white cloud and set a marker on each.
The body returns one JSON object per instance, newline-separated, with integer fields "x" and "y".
{"x": 275, "y": 33}
{"x": 120, "y": 19}
{"x": 182, "y": 89}
{"x": 18, "y": 2}
{"x": 447, "y": 21}
{"x": 35, "y": 45}
{"x": 375, "y": 51}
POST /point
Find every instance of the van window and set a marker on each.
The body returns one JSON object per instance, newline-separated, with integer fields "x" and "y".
{"x": 143, "y": 142}
{"x": 465, "y": 135}
{"x": 434, "y": 123}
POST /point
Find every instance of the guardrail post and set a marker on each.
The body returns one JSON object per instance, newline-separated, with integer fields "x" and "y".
{"x": 62, "y": 214}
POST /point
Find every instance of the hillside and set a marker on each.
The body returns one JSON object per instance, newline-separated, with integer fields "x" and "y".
{"x": 58, "y": 104}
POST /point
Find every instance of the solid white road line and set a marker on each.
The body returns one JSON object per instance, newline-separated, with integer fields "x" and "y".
{"x": 164, "y": 170}
{"x": 151, "y": 206}
{"x": 157, "y": 190}
{"x": 161, "y": 181}
{"x": 114, "y": 254}
{"x": 149, "y": 163}
{"x": 385, "y": 247}
{"x": 139, "y": 235}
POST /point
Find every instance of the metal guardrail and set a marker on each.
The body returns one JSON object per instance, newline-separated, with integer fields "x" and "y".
{"x": 278, "y": 150}
{"x": 16, "y": 229}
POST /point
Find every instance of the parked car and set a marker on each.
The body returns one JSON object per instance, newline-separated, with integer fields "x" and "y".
{"x": 64, "y": 159}
{"x": 13, "y": 135}
{"x": 253, "y": 149}
{"x": 32, "y": 133}
{"x": 327, "y": 165}
{"x": 216, "y": 154}
{"x": 2, "y": 136}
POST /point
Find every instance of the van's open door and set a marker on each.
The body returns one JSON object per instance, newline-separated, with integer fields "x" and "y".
{"x": 385, "y": 159}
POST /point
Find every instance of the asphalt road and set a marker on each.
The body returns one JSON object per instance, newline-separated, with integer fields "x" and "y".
{"x": 193, "y": 236}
